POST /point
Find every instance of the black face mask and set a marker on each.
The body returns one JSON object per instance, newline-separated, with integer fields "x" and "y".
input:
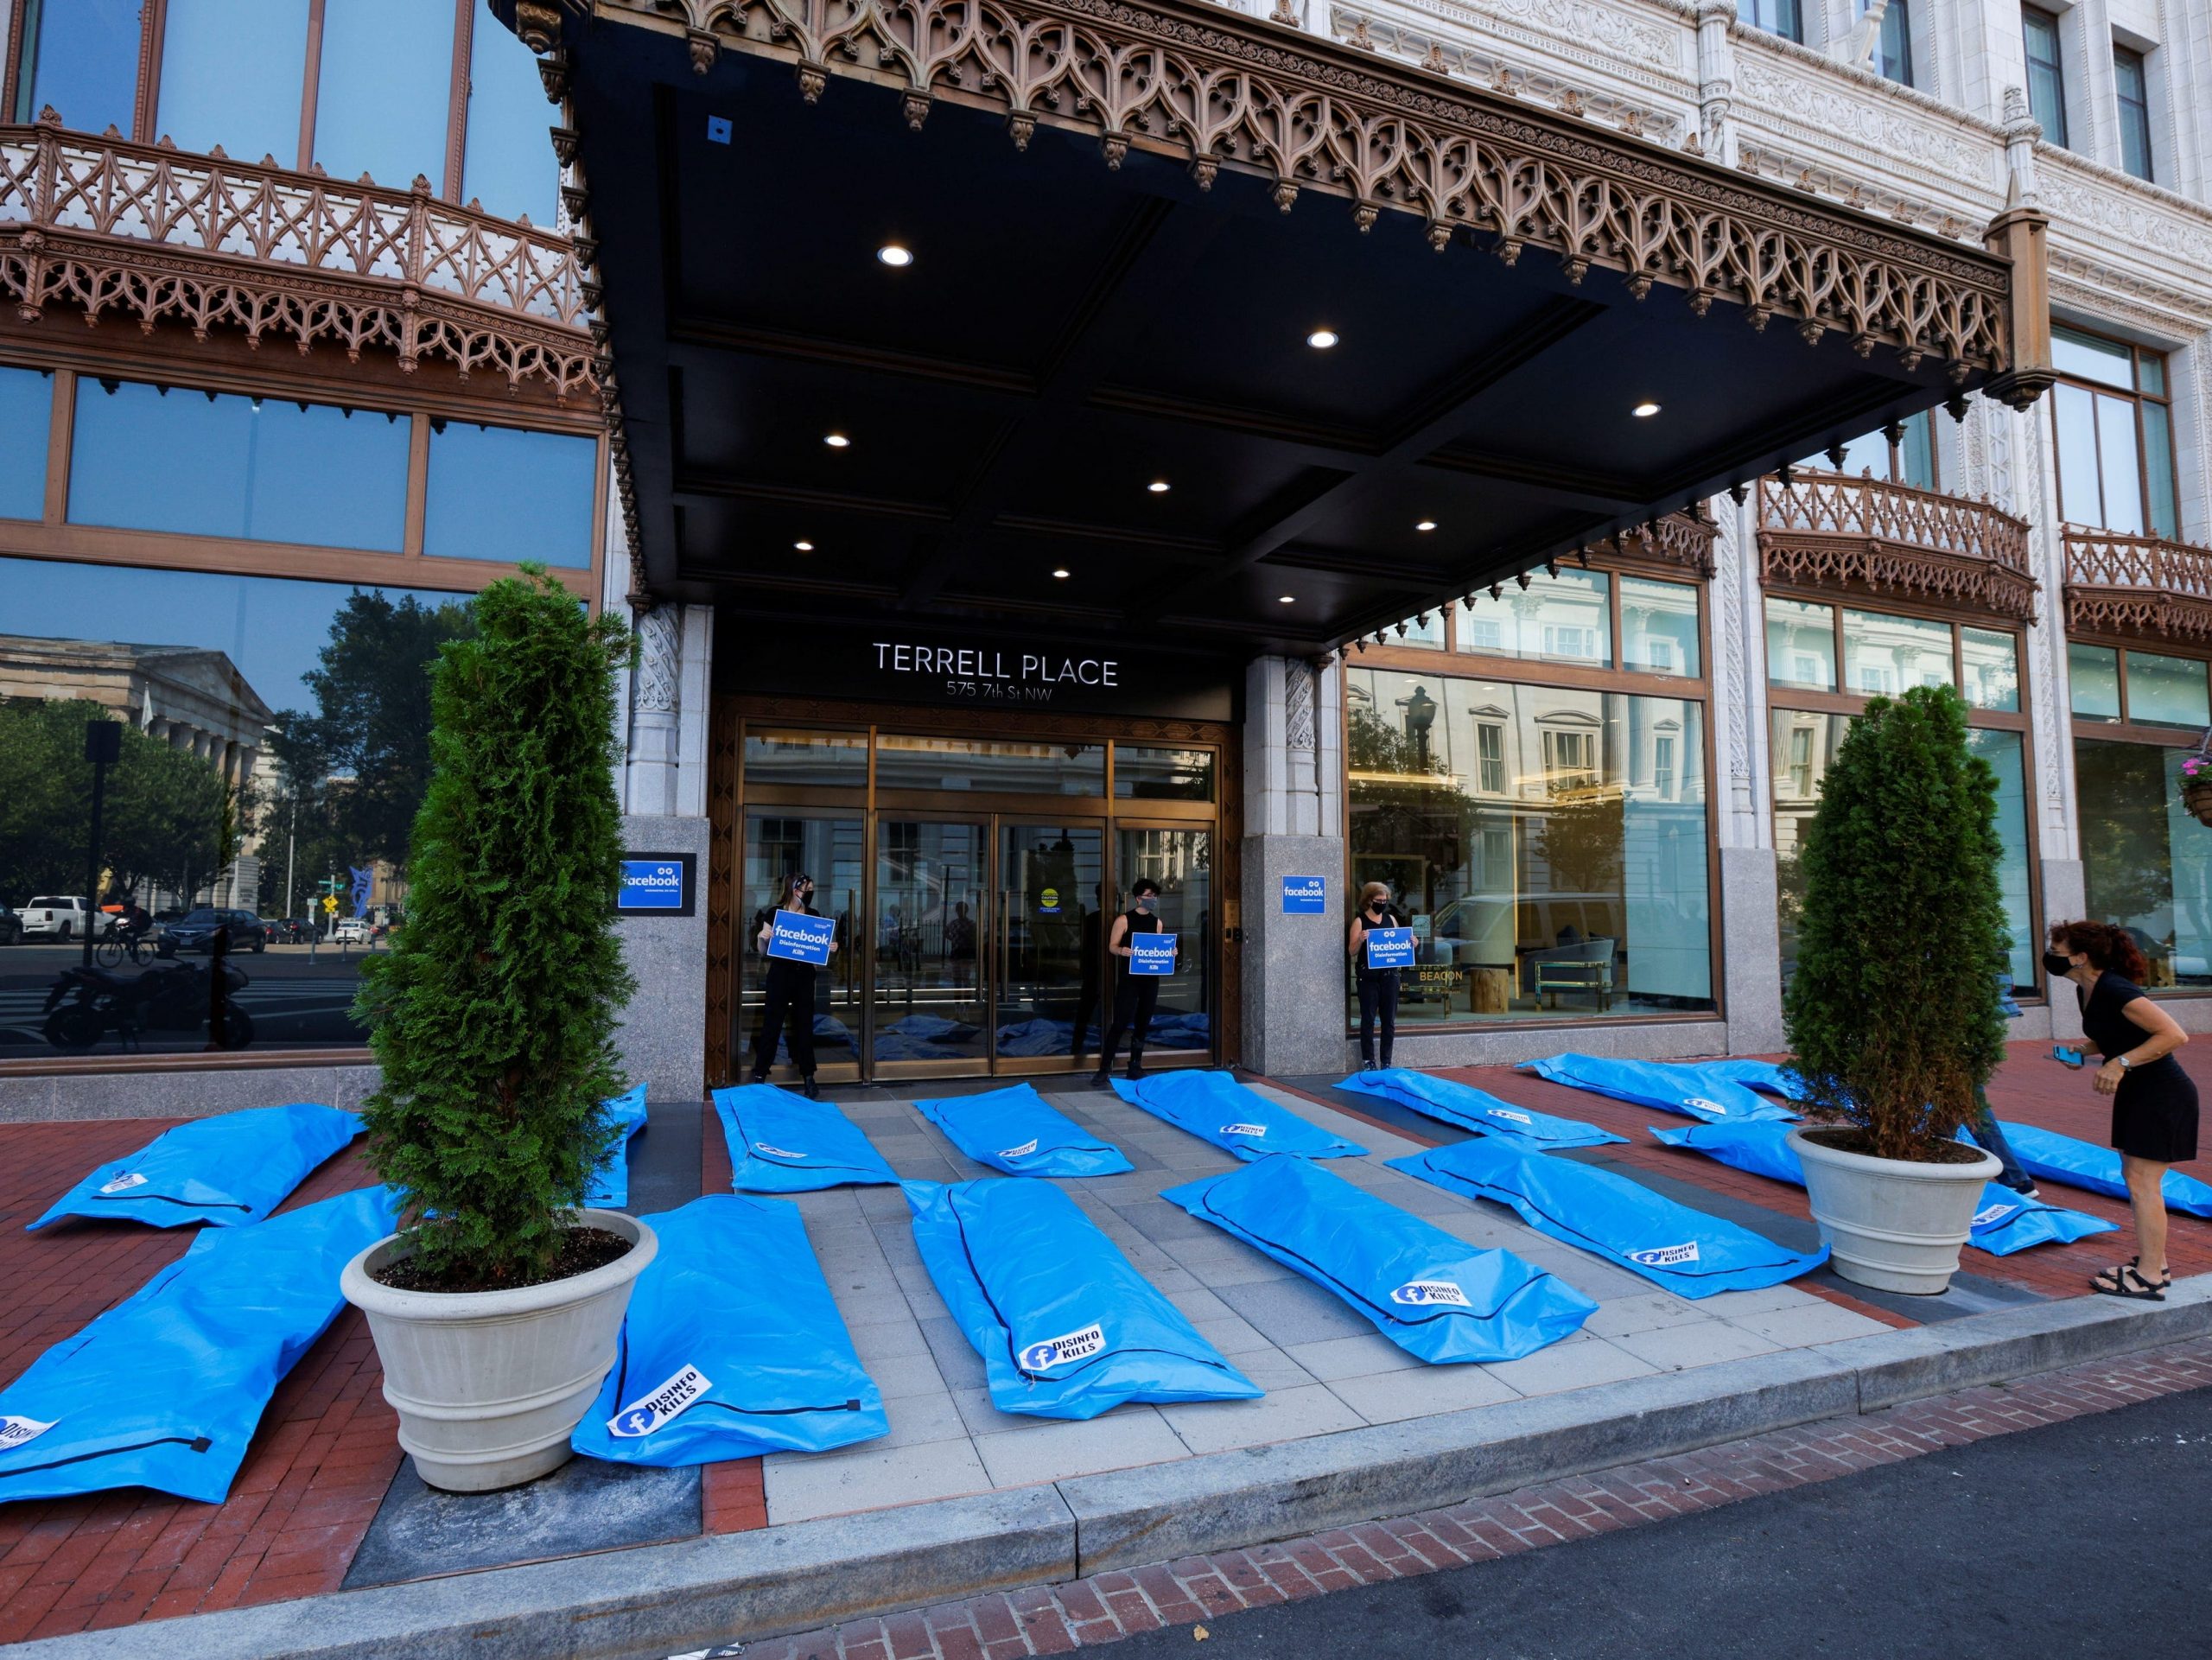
{"x": 2056, "y": 963}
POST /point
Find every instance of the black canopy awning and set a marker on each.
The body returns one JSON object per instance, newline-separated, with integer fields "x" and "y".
{"x": 1383, "y": 337}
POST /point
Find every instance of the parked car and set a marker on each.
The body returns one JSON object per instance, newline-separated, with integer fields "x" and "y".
{"x": 56, "y": 917}
{"x": 195, "y": 932}
{"x": 11, "y": 926}
{"x": 290, "y": 931}
{"x": 351, "y": 931}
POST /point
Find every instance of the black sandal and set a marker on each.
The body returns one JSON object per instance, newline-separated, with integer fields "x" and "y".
{"x": 2126, "y": 1281}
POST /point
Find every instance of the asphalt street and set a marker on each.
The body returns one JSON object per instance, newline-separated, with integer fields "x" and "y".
{"x": 2089, "y": 1537}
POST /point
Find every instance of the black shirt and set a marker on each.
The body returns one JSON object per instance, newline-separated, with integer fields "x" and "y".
{"x": 2103, "y": 1018}
{"x": 1390, "y": 918}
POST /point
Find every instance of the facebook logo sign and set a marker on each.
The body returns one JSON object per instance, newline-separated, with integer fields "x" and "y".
{"x": 655, "y": 884}
{"x": 1305, "y": 896}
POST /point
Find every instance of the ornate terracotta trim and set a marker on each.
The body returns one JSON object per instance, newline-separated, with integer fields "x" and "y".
{"x": 1825, "y": 530}
{"x": 2136, "y": 585}
{"x": 104, "y": 226}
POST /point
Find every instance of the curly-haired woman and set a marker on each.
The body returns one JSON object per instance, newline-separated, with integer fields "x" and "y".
{"x": 2153, "y": 1101}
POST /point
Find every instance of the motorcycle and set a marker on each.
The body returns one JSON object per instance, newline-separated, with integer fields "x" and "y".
{"x": 84, "y": 1005}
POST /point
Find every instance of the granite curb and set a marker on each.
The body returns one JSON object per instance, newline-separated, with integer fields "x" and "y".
{"x": 659, "y": 1600}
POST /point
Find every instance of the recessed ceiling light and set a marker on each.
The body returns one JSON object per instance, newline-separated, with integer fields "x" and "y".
{"x": 804, "y": 547}
{"x": 1644, "y": 411}
{"x": 1425, "y": 525}
{"x": 1322, "y": 339}
{"x": 1158, "y": 486}
{"x": 1061, "y": 572}
{"x": 1288, "y": 599}
{"x": 836, "y": 440}
{"x": 894, "y": 255}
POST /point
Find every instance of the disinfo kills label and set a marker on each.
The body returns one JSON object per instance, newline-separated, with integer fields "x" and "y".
{"x": 1243, "y": 1130}
{"x": 1058, "y": 1351}
{"x": 776, "y": 1152}
{"x": 19, "y": 1432}
{"x": 1704, "y": 1105}
{"x": 1511, "y": 1116}
{"x": 648, "y": 1412}
{"x": 1994, "y": 1213}
{"x": 1665, "y": 1255}
{"x": 1424, "y": 1294}
{"x": 1021, "y": 1152}
{"x": 123, "y": 1184}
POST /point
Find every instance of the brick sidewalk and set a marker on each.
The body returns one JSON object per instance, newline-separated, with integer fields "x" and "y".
{"x": 1107, "y": 1607}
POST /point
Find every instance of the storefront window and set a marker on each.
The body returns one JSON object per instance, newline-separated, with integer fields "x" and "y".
{"x": 2146, "y": 863}
{"x": 1884, "y": 655}
{"x": 1658, "y": 627}
{"x": 2003, "y": 751}
{"x": 1549, "y": 845}
{"x": 2093, "y": 673}
{"x": 2166, "y": 690}
{"x": 381, "y": 106}
{"x": 232, "y": 75}
{"x": 1000, "y": 766}
{"x": 1423, "y": 632}
{"x": 835, "y": 760}
{"x": 26, "y": 414}
{"x": 497, "y": 493}
{"x": 2114, "y": 434}
{"x": 1163, "y": 774}
{"x": 1910, "y": 460}
{"x": 509, "y": 165}
{"x": 1562, "y": 619}
{"x": 81, "y": 58}
{"x": 1992, "y": 664}
{"x": 276, "y": 748}
{"x": 262, "y": 469}
{"x": 1801, "y": 644}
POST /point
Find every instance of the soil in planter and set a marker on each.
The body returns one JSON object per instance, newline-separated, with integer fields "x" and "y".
{"x": 582, "y": 1250}
{"x": 1858, "y": 1140}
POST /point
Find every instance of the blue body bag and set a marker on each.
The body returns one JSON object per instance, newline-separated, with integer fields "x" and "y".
{"x": 1016, "y": 1130}
{"x": 235, "y": 1166}
{"x": 1472, "y": 1109}
{"x": 1767, "y": 1077}
{"x": 164, "y": 1389}
{"x": 1677, "y": 1249}
{"x": 1434, "y": 1296}
{"x": 732, "y": 1347}
{"x": 784, "y": 1143}
{"x": 2004, "y": 1221}
{"x": 610, "y": 1184}
{"x": 2053, "y": 1157}
{"x": 1065, "y": 1326}
{"x": 1689, "y": 1091}
{"x": 1215, "y": 1107}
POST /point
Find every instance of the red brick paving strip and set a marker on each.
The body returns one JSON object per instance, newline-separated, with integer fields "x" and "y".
{"x": 733, "y": 1495}
{"x": 1106, "y": 1607}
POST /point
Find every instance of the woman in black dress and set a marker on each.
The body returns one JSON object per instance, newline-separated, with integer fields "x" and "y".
{"x": 2153, "y": 1101}
{"x": 1378, "y": 988}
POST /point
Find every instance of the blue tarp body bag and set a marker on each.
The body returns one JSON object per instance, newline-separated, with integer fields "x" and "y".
{"x": 1066, "y": 1327}
{"x": 164, "y": 1389}
{"x": 2050, "y": 1156}
{"x": 1677, "y": 1249}
{"x": 1434, "y": 1296}
{"x": 732, "y": 1347}
{"x": 1018, "y": 1131}
{"x": 610, "y": 1183}
{"x": 1472, "y": 1109}
{"x": 1766, "y": 1075}
{"x": 1762, "y": 1148}
{"x": 234, "y": 1167}
{"x": 1215, "y": 1107}
{"x": 784, "y": 1143}
{"x": 1689, "y": 1091}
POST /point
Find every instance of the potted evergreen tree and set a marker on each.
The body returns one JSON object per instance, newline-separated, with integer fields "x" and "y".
{"x": 1893, "y": 1013}
{"x": 496, "y": 1307}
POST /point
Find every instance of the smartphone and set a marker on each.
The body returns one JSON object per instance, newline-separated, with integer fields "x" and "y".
{"x": 2068, "y": 1057}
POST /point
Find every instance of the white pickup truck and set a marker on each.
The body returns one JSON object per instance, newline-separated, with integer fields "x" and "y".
{"x": 52, "y": 917}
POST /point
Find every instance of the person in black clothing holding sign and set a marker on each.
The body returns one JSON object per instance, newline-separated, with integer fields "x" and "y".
{"x": 1378, "y": 988}
{"x": 790, "y": 993}
{"x": 1135, "y": 995}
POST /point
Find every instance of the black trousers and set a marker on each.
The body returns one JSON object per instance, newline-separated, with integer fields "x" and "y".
{"x": 1379, "y": 1001}
{"x": 791, "y": 998}
{"x": 1135, "y": 998}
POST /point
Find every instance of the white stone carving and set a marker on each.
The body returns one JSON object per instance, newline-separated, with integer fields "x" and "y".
{"x": 1298, "y": 704}
{"x": 660, "y": 666}
{"x": 1852, "y": 114}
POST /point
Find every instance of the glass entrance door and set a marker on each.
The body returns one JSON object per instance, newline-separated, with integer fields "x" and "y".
{"x": 828, "y": 848}
{"x": 1181, "y": 860}
{"x": 1049, "y": 953}
{"x": 930, "y": 1009}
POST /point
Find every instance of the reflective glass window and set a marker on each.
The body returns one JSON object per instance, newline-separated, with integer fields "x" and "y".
{"x": 2131, "y": 93}
{"x": 26, "y": 416}
{"x": 276, "y": 736}
{"x": 234, "y": 73}
{"x": 2073, "y": 353}
{"x": 1658, "y": 627}
{"x": 2146, "y": 864}
{"x": 838, "y": 759}
{"x": 498, "y": 493}
{"x": 1801, "y": 644}
{"x": 1916, "y": 453}
{"x": 1893, "y": 44}
{"x": 1562, "y": 619}
{"x": 1548, "y": 845}
{"x": 81, "y": 58}
{"x": 1163, "y": 774}
{"x": 2093, "y": 673}
{"x": 1992, "y": 662}
{"x": 2080, "y": 491}
{"x": 1802, "y": 745}
{"x": 1003, "y": 766}
{"x": 1884, "y": 655}
{"x": 263, "y": 469}
{"x": 2118, "y": 465}
{"x": 1426, "y": 633}
{"x": 2004, "y": 752}
{"x": 385, "y": 90}
{"x": 1776, "y": 16}
{"x": 508, "y": 164}
{"x": 2158, "y": 468}
{"x": 2166, "y": 690}
{"x": 2046, "y": 82}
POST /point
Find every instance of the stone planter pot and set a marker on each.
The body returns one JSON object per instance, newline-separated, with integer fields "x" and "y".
{"x": 1889, "y": 1223}
{"x": 488, "y": 1385}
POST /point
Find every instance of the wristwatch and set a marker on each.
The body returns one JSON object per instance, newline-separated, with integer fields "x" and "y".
{"x": 2126, "y": 1064}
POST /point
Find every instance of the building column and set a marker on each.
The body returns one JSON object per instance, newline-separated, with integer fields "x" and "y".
{"x": 1294, "y": 971}
{"x": 1747, "y": 886}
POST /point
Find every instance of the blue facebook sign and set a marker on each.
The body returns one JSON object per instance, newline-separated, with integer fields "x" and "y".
{"x": 655, "y": 884}
{"x": 1389, "y": 948}
{"x": 1152, "y": 953}
{"x": 797, "y": 937}
{"x": 1305, "y": 896}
